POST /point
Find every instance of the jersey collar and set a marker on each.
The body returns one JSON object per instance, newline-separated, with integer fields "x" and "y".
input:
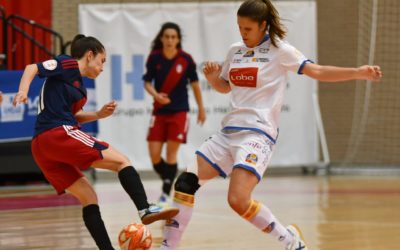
{"x": 266, "y": 37}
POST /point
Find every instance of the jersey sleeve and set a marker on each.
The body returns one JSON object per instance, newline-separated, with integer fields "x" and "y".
{"x": 49, "y": 68}
{"x": 292, "y": 59}
{"x": 191, "y": 71}
{"x": 150, "y": 69}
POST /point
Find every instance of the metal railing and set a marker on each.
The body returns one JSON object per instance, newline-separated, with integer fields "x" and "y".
{"x": 25, "y": 41}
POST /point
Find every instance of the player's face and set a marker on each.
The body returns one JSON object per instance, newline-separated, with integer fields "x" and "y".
{"x": 95, "y": 64}
{"x": 170, "y": 39}
{"x": 251, "y": 31}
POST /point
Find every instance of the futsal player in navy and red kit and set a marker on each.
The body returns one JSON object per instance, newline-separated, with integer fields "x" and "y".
{"x": 170, "y": 69}
{"x": 62, "y": 150}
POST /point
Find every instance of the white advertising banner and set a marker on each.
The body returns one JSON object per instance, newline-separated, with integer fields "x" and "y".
{"x": 127, "y": 30}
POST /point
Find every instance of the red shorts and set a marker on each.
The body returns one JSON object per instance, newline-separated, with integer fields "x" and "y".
{"x": 62, "y": 153}
{"x": 169, "y": 127}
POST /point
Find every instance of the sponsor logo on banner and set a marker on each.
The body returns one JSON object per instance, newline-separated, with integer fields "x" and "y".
{"x": 244, "y": 77}
{"x": 9, "y": 113}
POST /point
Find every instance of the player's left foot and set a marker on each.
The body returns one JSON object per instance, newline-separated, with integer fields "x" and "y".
{"x": 298, "y": 243}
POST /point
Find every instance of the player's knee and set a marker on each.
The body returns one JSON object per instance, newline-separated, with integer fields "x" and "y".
{"x": 187, "y": 183}
{"x": 237, "y": 203}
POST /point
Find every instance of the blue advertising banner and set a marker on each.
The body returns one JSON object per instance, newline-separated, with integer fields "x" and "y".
{"x": 17, "y": 123}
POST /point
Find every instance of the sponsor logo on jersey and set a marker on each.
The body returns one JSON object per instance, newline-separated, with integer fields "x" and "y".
{"x": 237, "y": 60}
{"x": 252, "y": 159}
{"x": 244, "y": 77}
{"x": 50, "y": 64}
{"x": 239, "y": 52}
{"x": 179, "y": 68}
{"x": 260, "y": 59}
{"x": 249, "y": 53}
{"x": 263, "y": 50}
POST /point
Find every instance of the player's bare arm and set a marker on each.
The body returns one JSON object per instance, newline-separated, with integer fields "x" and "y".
{"x": 30, "y": 72}
{"x": 105, "y": 111}
{"x": 201, "y": 116}
{"x": 335, "y": 74}
{"x": 161, "y": 98}
{"x": 212, "y": 71}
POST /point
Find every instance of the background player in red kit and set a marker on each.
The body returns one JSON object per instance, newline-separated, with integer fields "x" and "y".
{"x": 171, "y": 69}
{"x": 62, "y": 150}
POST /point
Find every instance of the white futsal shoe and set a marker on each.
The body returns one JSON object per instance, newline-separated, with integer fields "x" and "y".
{"x": 298, "y": 243}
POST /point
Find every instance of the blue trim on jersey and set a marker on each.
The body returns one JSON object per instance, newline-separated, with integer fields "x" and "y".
{"x": 248, "y": 168}
{"x": 251, "y": 129}
{"x": 266, "y": 37}
{"x": 300, "y": 71}
{"x": 220, "y": 171}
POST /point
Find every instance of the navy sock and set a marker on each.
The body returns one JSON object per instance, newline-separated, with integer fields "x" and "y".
{"x": 131, "y": 182}
{"x": 95, "y": 225}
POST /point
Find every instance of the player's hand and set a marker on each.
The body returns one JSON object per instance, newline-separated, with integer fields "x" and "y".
{"x": 107, "y": 110}
{"x": 212, "y": 69}
{"x": 20, "y": 97}
{"x": 201, "y": 116}
{"x": 370, "y": 72}
{"x": 162, "y": 98}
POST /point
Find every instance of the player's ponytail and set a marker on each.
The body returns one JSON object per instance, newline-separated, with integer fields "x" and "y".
{"x": 157, "y": 44}
{"x": 264, "y": 10}
{"x": 81, "y": 44}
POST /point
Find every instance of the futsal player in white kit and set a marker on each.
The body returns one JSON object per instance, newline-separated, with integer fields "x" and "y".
{"x": 255, "y": 73}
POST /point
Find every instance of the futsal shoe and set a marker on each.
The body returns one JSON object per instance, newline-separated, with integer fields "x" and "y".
{"x": 298, "y": 243}
{"x": 154, "y": 213}
{"x": 164, "y": 201}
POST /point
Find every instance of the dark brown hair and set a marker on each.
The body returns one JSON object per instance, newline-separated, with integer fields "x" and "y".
{"x": 81, "y": 44}
{"x": 263, "y": 10}
{"x": 157, "y": 44}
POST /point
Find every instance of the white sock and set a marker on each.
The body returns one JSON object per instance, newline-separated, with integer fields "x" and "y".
{"x": 261, "y": 216}
{"x": 175, "y": 227}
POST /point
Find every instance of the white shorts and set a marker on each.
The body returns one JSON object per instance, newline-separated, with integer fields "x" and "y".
{"x": 242, "y": 149}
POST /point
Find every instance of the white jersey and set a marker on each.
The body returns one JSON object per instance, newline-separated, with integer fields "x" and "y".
{"x": 258, "y": 78}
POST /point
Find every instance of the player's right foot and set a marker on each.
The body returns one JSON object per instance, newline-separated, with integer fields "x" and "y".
{"x": 155, "y": 213}
{"x": 298, "y": 242}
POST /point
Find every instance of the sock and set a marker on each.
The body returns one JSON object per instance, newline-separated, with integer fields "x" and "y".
{"x": 169, "y": 175}
{"x": 95, "y": 225}
{"x": 175, "y": 227}
{"x": 261, "y": 216}
{"x": 131, "y": 182}
{"x": 158, "y": 167}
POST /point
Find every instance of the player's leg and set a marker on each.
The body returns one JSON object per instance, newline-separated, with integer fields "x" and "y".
{"x": 171, "y": 167}
{"x": 252, "y": 156}
{"x": 177, "y": 125}
{"x": 131, "y": 182}
{"x": 186, "y": 186}
{"x": 85, "y": 193}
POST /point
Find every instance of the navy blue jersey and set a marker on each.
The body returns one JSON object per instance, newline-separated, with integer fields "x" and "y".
{"x": 62, "y": 94}
{"x": 171, "y": 76}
